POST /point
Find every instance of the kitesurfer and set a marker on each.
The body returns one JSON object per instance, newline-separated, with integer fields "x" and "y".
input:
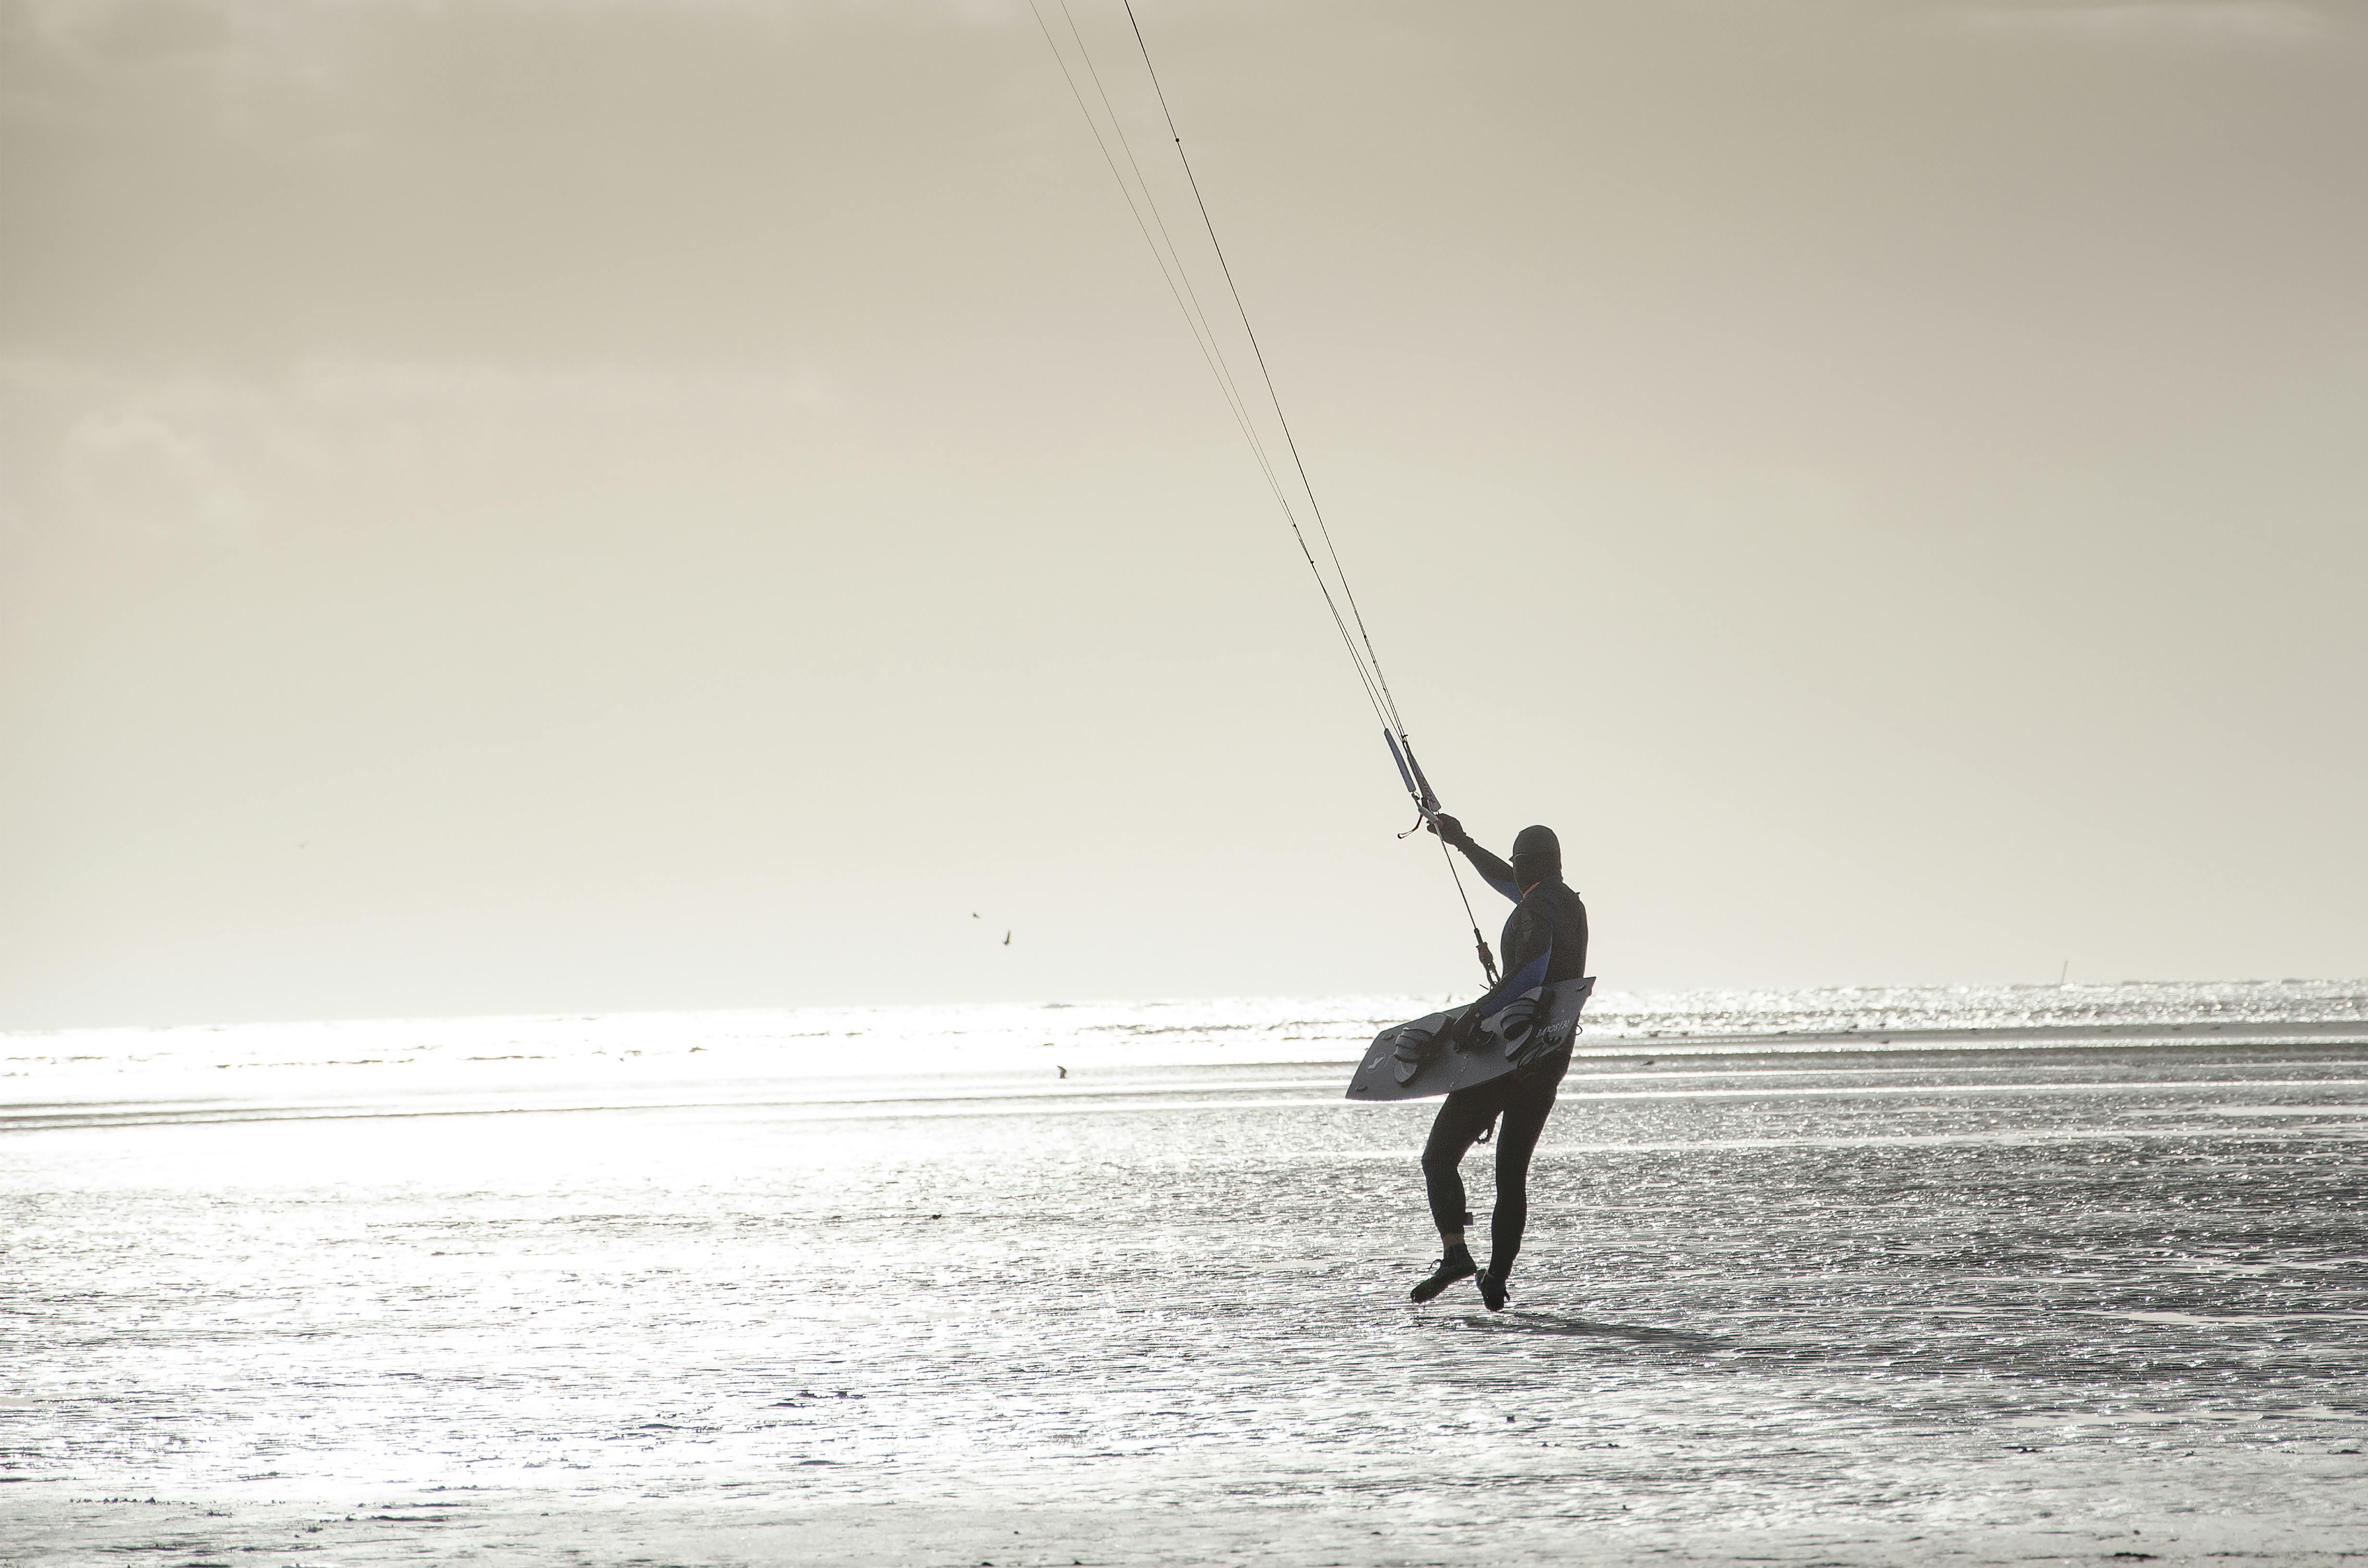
{"x": 1546, "y": 911}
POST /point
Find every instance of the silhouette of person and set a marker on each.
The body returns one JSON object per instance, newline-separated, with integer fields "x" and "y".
{"x": 1546, "y": 911}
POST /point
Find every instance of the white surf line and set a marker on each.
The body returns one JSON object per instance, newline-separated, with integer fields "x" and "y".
{"x": 883, "y": 1107}
{"x": 952, "y": 1110}
{"x": 103, "y": 1114}
{"x": 1137, "y": 1081}
{"x": 983, "y": 1086}
{"x": 948, "y": 1111}
{"x": 478, "y": 1102}
{"x": 1138, "y": 1099}
{"x": 1155, "y": 1100}
{"x": 2135, "y": 1086}
{"x": 918, "y": 1110}
{"x": 1947, "y": 1042}
{"x": 2303, "y": 1109}
{"x": 886, "y": 1109}
{"x": 1930, "y": 1069}
{"x": 2004, "y": 1137}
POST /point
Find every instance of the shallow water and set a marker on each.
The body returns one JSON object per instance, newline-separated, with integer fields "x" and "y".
{"x": 2023, "y": 1291}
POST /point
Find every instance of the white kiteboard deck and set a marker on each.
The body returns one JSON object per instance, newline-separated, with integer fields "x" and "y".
{"x": 1523, "y": 1027}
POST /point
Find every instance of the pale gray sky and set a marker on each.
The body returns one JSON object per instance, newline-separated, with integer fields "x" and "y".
{"x": 524, "y": 505}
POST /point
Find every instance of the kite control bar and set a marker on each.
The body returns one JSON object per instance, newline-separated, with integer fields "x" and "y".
{"x": 1425, "y": 802}
{"x": 1426, "y": 799}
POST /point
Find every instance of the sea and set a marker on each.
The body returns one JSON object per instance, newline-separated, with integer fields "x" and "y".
{"x": 1843, "y": 1276}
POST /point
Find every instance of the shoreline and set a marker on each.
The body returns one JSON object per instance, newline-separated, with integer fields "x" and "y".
{"x": 2042, "y": 1300}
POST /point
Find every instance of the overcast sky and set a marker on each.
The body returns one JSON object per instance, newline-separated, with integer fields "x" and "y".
{"x": 525, "y": 506}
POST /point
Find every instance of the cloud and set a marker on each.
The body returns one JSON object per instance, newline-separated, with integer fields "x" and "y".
{"x": 135, "y": 474}
{"x": 180, "y": 457}
{"x": 131, "y": 31}
{"x": 128, "y": 31}
{"x": 2190, "y": 21}
{"x": 482, "y": 388}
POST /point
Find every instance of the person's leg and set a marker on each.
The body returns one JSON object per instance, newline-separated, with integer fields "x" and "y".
{"x": 1461, "y": 1118}
{"x": 1526, "y": 1110}
{"x": 1459, "y": 1121}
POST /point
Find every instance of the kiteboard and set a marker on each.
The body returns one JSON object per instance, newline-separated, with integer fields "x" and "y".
{"x": 1512, "y": 1027}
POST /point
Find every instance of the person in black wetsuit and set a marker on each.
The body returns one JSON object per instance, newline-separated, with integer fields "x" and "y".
{"x": 1545, "y": 910}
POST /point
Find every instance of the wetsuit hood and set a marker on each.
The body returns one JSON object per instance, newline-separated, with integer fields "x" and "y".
{"x": 1537, "y": 857}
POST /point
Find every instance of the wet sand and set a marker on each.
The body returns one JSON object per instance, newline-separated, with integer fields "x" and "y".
{"x": 2070, "y": 1300}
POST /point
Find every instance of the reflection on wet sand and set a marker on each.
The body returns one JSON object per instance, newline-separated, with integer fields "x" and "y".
{"x": 1858, "y": 1307}
{"x": 1515, "y": 1320}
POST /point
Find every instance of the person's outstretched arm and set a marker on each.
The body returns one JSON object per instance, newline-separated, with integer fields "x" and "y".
{"x": 1493, "y": 871}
